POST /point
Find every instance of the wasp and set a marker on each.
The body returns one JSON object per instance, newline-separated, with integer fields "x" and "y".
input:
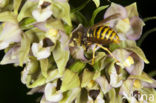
{"x": 99, "y": 34}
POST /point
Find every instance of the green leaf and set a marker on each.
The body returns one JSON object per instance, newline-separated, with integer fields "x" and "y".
{"x": 62, "y": 10}
{"x": 17, "y": 4}
{"x": 7, "y": 16}
{"x": 61, "y": 57}
{"x": 87, "y": 76}
{"x": 97, "y": 2}
{"x": 27, "y": 9}
{"x": 96, "y": 11}
{"x": 77, "y": 66}
{"x": 70, "y": 80}
{"x": 44, "y": 67}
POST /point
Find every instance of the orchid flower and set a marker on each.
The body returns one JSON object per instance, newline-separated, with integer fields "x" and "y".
{"x": 128, "y": 25}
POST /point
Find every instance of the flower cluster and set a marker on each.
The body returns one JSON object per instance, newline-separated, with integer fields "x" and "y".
{"x": 38, "y": 35}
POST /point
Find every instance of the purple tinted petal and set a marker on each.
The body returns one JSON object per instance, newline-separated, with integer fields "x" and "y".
{"x": 78, "y": 53}
{"x": 136, "y": 28}
{"x": 116, "y": 8}
{"x": 137, "y": 67}
{"x": 41, "y": 26}
{"x": 121, "y": 54}
{"x": 64, "y": 40}
{"x": 149, "y": 85}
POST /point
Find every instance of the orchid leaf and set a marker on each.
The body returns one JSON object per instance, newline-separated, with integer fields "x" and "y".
{"x": 70, "y": 80}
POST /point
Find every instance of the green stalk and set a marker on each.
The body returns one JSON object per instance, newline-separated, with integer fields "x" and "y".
{"x": 145, "y": 35}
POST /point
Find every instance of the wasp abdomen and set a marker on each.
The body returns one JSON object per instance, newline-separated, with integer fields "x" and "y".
{"x": 102, "y": 35}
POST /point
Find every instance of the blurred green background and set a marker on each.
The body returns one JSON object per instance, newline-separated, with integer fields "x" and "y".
{"x": 13, "y": 91}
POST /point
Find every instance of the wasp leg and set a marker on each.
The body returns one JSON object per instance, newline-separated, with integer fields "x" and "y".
{"x": 93, "y": 58}
{"x": 106, "y": 49}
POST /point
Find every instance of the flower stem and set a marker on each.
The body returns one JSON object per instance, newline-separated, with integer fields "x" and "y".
{"x": 152, "y": 73}
{"x": 145, "y": 35}
{"x": 80, "y": 7}
{"x": 96, "y": 11}
{"x": 149, "y": 18}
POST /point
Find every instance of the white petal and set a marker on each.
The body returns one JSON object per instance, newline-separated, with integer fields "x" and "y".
{"x": 51, "y": 94}
{"x": 116, "y": 8}
{"x": 10, "y": 33}
{"x": 42, "y": 15}
{"x": 102, "y": 81}
{"x": 3, "y": 45}
{"x": 39, "y": 52}
{"x": 11, "y": 56}
{"x": 43, "y": 100}
{"x": 114, "y": 82}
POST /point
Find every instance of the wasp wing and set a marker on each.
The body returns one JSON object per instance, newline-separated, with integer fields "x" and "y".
{"x": 114, "y": 16}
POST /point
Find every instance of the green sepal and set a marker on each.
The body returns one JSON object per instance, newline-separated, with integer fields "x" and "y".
{"x": 61, "y": 57}
{"x": 44, "y": 67}
{"x": 70, "y": 80}
{"x": 77, "y": 66}
{"x": 27, "y": 9}
{"x": 7, "y": 17}
{"x": 87, "y": 76}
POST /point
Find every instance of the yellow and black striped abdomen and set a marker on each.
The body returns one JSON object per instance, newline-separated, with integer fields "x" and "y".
{"x": 102, "y": 35}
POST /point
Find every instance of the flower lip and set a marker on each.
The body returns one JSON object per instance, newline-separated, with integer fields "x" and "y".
{"x": 45, "y": 4}
{"x": 47, "y": 42}
{"x": 94, "y": 93}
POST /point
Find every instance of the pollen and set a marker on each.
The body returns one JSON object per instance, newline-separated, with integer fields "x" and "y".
{"x": 126, "y": 20}
{"x": 137, "y": 84}
{"x": 53, "y": 32}
{"x": 91, "y": 84}
{"x": 128, "y": 62}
